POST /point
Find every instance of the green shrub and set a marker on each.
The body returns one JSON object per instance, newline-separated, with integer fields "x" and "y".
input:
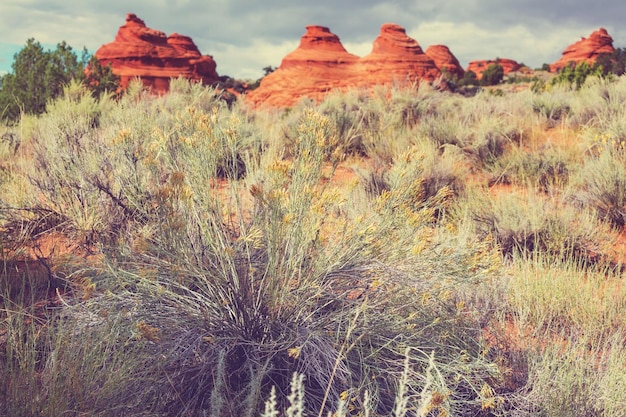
{"x": 575, "y": 76}
{"x": 552, "y": 107}
{"x": 493, "y": 75}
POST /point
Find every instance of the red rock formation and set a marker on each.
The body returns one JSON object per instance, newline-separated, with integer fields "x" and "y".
{"x": 319, "y": 47}
{"x": 445, "y": 60}
{"x": 586, "y": 49}
{"x": 321, "y": 64}
{"x": 139, "y": 51}
{"x": 396, "y": 57}
{"x": 508, "y": 65}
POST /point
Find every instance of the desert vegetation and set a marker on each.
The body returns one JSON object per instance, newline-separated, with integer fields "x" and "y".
{"x": 381, "y": 253}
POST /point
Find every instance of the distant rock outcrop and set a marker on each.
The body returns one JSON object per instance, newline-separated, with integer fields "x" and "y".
{"x": 321, "y": 48}
{"x": 396, "y": 57}
{"x": 321, "y": 64}
{"x": 445, "y": 60}
{"x": 586, "y": 49}
{"x": 139, "y": 51}
{"x": 508, "y": 65}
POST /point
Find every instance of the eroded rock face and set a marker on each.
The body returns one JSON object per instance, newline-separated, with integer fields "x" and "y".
{"x": 319, "y": 47}
{"x": 445, "y": 60}
{"x": 139, "y": 51}
{"x": 396, "y": 58}
{"x": 586, "y": 49}
{"x": 321, "y": 64}
{"x": 508, "y": 65}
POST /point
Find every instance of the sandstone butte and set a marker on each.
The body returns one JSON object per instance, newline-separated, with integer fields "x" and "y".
{"x": 508, "y": 65}
{"x": 139, "y": 51}
{"x": 445, "y": 60}
{"x": 321, "y": 64}
{"x": 395, "y": 58}
{"x": 586, "y": 49}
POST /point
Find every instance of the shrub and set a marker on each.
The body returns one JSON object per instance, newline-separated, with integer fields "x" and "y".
{"x": 601, "y": 186}
{"x": 493, "y": 75}
{"x": 548, "y": 171}
{"x": 530, "y": 225}
{"x": 552, "y": 107}
{"x": 614, "y": 63}
{"x": 38, "y": 76}
{"x": 236, "y": 283}
{"x": 469, "y": 78}
{"x": 575, "y": 75}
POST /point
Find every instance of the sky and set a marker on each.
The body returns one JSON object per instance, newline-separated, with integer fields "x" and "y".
{"x": 244, "y": 36}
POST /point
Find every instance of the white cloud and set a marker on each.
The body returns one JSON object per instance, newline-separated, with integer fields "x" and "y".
{"x": 359, "y": 48}
{"x": 247, "y": 62}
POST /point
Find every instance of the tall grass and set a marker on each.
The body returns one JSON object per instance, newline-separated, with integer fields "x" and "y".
{"x": 574, "y": 324}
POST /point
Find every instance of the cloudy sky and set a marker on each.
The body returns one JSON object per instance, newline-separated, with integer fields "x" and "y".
{"x": 246, "y": 35}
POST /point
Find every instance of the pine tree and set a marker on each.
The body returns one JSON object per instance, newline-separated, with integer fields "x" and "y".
{"x": 25, "y": 89}
{"x": 38, "y": 76}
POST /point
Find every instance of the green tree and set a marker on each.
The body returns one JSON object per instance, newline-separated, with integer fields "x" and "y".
{"x": 614, "y": 63}
{"x": 62, "y": 66}
{"x": 100, "y": 79}
{"x": 25, "y": 88}
{"x": 492, "y": 75}
{"x": 38, "y": 76}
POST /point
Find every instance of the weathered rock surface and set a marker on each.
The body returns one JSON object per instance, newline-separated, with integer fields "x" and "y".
{"x": 139, "y": 51}
{"x": 478, "y": 66}
{"x": 321, "y": 64}
{"x": 445, "y": 60}
{"x": 586, "y": 49}
{"x": 396, "y": 58}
